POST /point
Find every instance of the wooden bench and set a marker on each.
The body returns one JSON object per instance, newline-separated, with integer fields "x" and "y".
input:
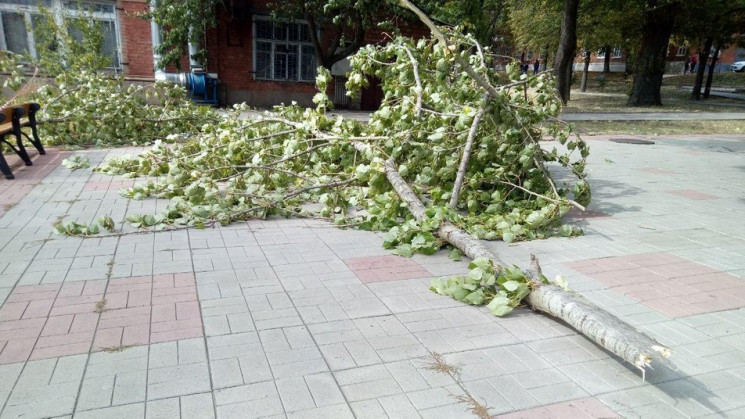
{"x": 12, "y": 120}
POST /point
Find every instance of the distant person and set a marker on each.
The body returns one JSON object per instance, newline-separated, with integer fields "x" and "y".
{"x": 694, "y": 61}
{"x": 687, "y": 65}
{"x": 536, "y": 66}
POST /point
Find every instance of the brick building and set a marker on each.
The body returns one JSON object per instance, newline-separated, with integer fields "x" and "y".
{"x": 675, "y": 63}
{"x": 256, "y": 59}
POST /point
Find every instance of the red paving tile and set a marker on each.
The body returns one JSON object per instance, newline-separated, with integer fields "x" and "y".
{"x": 386, "y": 268}
{"x": 46, "y": 321}
{"x": 691, "y": 194}
{"x": 575, "y": 409}
{"x": 26, "y": 177}
{"x": 671, "y": 285}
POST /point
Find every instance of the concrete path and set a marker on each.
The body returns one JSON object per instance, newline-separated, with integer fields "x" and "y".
{"x": 293, "y": 318}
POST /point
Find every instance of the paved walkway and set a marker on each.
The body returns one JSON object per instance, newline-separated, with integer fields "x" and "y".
{"x": 294, "y": 318}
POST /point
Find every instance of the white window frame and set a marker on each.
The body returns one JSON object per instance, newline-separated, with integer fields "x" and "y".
{"x": 682, "y": 51}
{"x": 617, "y": 52}
{"x": 60, "y": 12}
{"x": 274, "y": 42}
{"x": 601, "y": 53}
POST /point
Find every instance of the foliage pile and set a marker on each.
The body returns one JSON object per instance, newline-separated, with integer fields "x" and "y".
{"x": 83, "y": 103}
{"x": 275, "y": 164}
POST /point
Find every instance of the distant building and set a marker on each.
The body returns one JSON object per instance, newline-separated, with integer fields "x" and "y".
{"x": 256, "y": 59}
{"x": 675, "y": 63}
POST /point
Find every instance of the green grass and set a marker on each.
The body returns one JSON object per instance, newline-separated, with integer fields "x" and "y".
{"x": 728, "y": 80}
{"x": 659, "y": 127}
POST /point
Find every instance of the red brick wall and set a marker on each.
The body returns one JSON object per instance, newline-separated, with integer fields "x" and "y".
{"x": 137, "y": 49}
{"x": 232, "y": 61}
{"x": 230, "y": 55}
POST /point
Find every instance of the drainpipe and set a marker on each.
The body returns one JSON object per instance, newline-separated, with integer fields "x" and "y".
{"x": 156, "y": 40}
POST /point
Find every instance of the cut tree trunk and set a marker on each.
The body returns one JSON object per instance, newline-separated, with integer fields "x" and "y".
{"x": 585, "y": 71}
{"x": 700, "y": 66}
{"x": 564, "y": 60}
{"x": 710, "y": 75}
{"x": 601, "y": 327}
{"x": 649, "y": 65}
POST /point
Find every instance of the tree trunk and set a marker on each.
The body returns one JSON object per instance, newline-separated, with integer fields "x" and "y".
{"x": 585, "y": 70}
{"x": 700, "y": 67}
{"x": 606, "y": 60}
{"x": 710, "y": 76}
{"x": 597, "y": 324}
{"x": 649, "y": 65}
{"x": 564, "y": 60}
{"x": 628, "y": 63}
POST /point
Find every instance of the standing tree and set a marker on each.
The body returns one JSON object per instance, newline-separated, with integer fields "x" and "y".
{"x": 485, "y": 19}
{"x": 185, "y": 21}
{"x": 564, "y": 61}
{"x": 649, "y": 63}
{"x": 345, "y": 23}
{"x": 709, "y": 23}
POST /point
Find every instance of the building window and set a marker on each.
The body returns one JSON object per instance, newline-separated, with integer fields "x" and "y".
{"x": 283, "y": 51}
{"x": 617, "y": 52}
{"x": 601, "y": 53}
{"x": 682, "y": 51}
{"x": 18, "y": 18}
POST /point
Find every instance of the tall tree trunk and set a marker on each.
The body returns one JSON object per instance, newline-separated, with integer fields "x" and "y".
{"x": 710, "y": 76}
{"x": 606, "y": 60}
{"x": 567, "y": 49}
{"x": 701, "y": 66}
{"x": 649, "y": 65}
{"x": 628, "y": 63}
{"x": 585, "y": 70}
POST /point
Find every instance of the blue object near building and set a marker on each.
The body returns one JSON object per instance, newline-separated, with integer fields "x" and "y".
{"x": 203, "y": 88}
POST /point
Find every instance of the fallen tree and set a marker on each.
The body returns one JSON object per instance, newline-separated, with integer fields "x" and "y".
{"x": 453, "y": 155}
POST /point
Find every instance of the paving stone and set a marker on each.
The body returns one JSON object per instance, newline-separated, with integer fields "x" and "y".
{"x": 123, "y": 412}
{"x": 294, "y": 394}
{"x": 336, "y": 411}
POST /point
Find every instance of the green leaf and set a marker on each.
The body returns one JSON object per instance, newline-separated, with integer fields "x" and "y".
{"x": 475, "y": 298}
{"x": 455, "y": 255}
{"x": 501, "y": 310}
{"x": 482, "y": 263}
{"x": 511, "y": 285}
{"x": 508, "y": 237}
{"x": 404, "y": 250}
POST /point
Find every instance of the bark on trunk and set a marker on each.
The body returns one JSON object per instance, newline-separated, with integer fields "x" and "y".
{"x": 606, "y": 60}
{"x": 700, "y": 67}
{"x": 649, "y": 65}
{"x": 597, "y": 324}
{"x": 567, "y": 48}
{"x": 464, "y": 159}
{"x": 585, "y": 70}
{"x": 710, "y": 76}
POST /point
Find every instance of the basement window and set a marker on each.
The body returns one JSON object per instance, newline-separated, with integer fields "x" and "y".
{"x": 283, "y": 51}
{"x": 18, "y": 18}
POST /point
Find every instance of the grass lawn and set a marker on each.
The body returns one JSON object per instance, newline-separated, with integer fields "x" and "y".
{"x": 659, "y": 127}
{"x": 611, "y": 95}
